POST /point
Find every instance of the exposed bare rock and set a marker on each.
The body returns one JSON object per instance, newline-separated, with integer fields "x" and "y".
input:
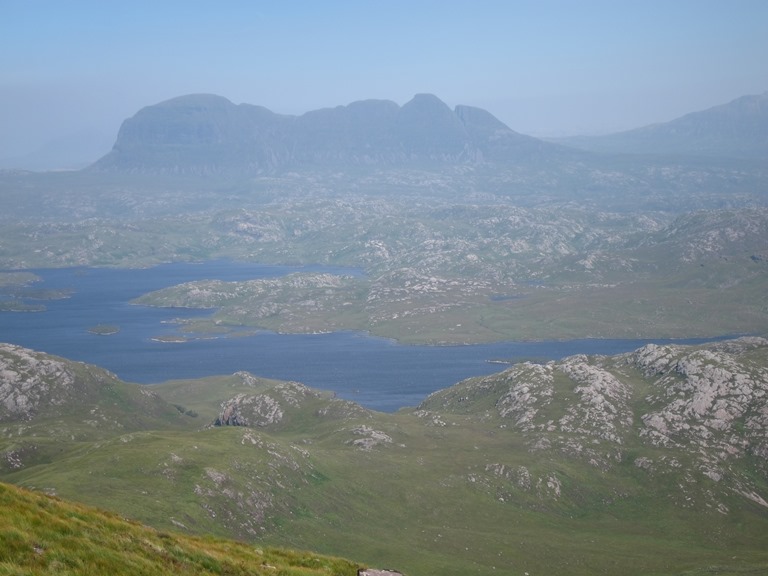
{"x": 712, "y": 398}
{"x": 694, "y": 412}
{"x": 276, "y": 405}
{"x": 603, "y": 407}
{"x": 532, "y": 388}
{"x": 29, "y": 380}
{"x": 261, "y": 409}
{"x": 369, "y": 438}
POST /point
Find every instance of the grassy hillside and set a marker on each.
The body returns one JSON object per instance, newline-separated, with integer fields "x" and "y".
{"x": 642, "y": 464}
{"x": 44, "y": 535}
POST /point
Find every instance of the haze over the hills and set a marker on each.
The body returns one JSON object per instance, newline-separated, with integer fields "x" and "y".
{"x": 551, "y": 68}
{"x": 736, "y": 129}
{"x": 247, "y": 190}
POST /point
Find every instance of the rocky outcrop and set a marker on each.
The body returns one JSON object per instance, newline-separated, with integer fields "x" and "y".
{"x": 699, "y": 413}
{"x": 281, "y": 404}
{"x": 32, "y": 380}
{"x": 66, "y": 398}
{"x": 369, "y": 438}
{"x": 711, "y": 402}
{"x": 266, "y": 409}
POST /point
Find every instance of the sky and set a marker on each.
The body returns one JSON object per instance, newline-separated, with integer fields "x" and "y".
{"x": 543, "y": 67}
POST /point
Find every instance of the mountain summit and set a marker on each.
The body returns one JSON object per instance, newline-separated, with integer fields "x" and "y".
{"x": 208, "y": 134}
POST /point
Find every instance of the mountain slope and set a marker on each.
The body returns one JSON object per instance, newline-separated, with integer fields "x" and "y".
{"x": 207, "y": 134}
{"x": 44, "y": 535}
{"x": 738, "y": 129}
{"x": 653, "y": 462}
{"x": 85, "y": 400}
{"x": 50, "y": 406}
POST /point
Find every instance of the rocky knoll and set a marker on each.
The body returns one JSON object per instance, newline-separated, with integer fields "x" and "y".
{"x": 283, "y": 404}
{"x": 208, "y": 134}
{"x": 696, "y": 413}
{"x": 46, "y": 401}
{"x": 30, "y": 381}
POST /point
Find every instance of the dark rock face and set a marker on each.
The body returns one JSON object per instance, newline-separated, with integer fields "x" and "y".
{"x": 201, "y": 134}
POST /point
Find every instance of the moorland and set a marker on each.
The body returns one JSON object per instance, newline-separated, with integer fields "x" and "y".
{"x": 652, "y": 462}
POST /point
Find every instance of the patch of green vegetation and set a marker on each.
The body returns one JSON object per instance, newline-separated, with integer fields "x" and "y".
{"x": 44, "y": 535}
{"x": 170, "y": 338}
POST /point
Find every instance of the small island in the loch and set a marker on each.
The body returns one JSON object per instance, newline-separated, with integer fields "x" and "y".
{"x": 18, "y": 306}
{"x": 104, "y": 329}
{"x": 170, "y": 338}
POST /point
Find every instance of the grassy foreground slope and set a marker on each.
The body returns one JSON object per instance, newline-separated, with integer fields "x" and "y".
{"x": 40, "y": 534}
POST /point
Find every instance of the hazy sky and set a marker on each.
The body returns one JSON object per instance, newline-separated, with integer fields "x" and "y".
{"x": 544, "y": 67}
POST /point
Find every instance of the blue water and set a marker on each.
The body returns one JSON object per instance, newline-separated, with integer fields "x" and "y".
{"x": 375, "y": 372}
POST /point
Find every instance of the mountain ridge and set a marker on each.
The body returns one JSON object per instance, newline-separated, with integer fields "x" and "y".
{"x": 208, "y": 134}
{"x": 737, "y": 129}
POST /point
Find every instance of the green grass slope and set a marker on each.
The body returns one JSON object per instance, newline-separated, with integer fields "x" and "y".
{"x": 40, "y": 534}
{"x": 648, "y": 463}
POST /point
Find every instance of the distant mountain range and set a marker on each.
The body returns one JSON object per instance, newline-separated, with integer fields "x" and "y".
{"x": 738, "y": 129}
{"x": 209, "y": 134}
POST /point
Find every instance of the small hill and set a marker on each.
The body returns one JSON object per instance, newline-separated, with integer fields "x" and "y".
{"x": 670, "y": 411}
{"x": 738, "y": 129}
{"x": 208, "y": 134}
{"x": 40, "y": 534}
{"x": 38, "y": 390}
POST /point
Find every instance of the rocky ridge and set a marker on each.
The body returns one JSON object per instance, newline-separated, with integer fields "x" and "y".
{"x": 698, "y": 412}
